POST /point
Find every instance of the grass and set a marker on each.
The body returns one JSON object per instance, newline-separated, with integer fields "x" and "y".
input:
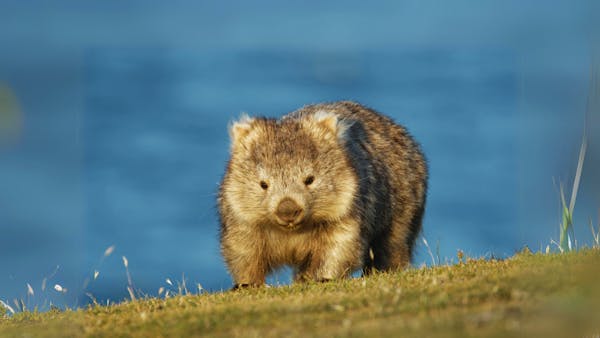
{"x": 566, "y": 226}
{"x": 528, "y": 294}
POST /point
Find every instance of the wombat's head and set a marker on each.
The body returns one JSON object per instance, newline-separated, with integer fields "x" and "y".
{"x": 292, "y": 172}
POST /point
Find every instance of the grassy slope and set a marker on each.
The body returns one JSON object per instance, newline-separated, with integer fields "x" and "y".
{"x": 529, "y": 295}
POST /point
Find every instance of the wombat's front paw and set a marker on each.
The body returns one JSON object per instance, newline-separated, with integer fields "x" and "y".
{"x": 240, "y": 286}
{"x": 307, "y": 279}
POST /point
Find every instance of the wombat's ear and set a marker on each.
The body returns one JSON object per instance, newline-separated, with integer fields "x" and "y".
{"x": 239, "y": 130}
{"x": 331, "y": 123}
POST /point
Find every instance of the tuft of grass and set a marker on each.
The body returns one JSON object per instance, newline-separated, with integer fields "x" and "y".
{"x": 5, "y": 308}
{"x": 526, "y": 295}
{"x": 566, "y": 227}
{"x": 595, "y": 233}
{"x": 593, "y": 104}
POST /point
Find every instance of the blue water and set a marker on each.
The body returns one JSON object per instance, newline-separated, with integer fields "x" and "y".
{"x": 124, "y": 112}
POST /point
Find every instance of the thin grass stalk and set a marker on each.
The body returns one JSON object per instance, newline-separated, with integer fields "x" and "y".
{"x": 566, "y": 224}
{"x": 429, "y": 251}
{"x": 566, "y": 229}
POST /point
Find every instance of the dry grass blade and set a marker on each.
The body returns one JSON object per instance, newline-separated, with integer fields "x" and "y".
{"x": 183, "y": 285}
{"x": 90, "y": 296}
{"x": 580, "y": 161}
{"x": 109, "y": 251}
{"x": 129, "y": 280}
{"x": 595, "y": 233}
{"x": 557, "y": 245}
{"x": 566, "y": 224}
{"x": 131, "y": 294}
{"x": 59, "y": 288}
{"x": 433, "y": 263}
{"x": 30, "y": 290}
{"x": 8, "y": 307}
{"x": 49, "y": 277}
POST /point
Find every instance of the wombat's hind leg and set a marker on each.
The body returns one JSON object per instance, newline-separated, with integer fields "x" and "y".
{"x": 399, "y": 258}
{"x": 399, "y": 246}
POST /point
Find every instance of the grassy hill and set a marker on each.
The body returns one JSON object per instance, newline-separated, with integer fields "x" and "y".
{"x": 532, "y": 295}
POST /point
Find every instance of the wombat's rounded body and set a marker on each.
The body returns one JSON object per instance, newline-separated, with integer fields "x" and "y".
{"x": 327, "y": 189}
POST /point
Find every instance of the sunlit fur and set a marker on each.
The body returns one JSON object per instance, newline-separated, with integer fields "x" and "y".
{"x": 367, "y": 195}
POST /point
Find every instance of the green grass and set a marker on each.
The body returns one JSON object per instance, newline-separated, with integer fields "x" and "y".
{"x": 528, "y": 294}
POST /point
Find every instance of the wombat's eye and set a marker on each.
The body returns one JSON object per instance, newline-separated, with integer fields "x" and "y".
{"x": 264, "y": 185}
{"x": 309, "y": 180}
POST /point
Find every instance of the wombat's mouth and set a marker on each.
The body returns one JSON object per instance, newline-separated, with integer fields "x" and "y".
{"x": 290, "y": 226}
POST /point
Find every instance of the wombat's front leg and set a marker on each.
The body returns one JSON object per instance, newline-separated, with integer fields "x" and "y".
{"x": 247, "y": 272}
{"x": 336, "y": 256}
{"x": 245, "y": 262}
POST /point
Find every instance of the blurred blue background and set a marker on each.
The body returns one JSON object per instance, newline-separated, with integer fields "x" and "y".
{"x": 113, "y": 124}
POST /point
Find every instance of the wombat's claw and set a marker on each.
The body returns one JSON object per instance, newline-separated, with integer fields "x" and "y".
{"x": 240, "y": 286}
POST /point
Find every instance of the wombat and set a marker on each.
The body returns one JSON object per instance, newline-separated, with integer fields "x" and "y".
{"x": 327, "y": 189}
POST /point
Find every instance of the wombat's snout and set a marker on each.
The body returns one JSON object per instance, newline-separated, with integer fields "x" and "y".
{"x": 289, "y": 212}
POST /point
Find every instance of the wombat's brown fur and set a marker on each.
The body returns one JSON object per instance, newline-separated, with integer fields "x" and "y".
{"x": 327, "y": 189}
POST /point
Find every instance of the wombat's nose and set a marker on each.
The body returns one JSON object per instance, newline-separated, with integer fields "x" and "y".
{"x": 288, "y": 211}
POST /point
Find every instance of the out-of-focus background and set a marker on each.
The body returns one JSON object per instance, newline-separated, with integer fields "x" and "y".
{"x": 113, "y": 124}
